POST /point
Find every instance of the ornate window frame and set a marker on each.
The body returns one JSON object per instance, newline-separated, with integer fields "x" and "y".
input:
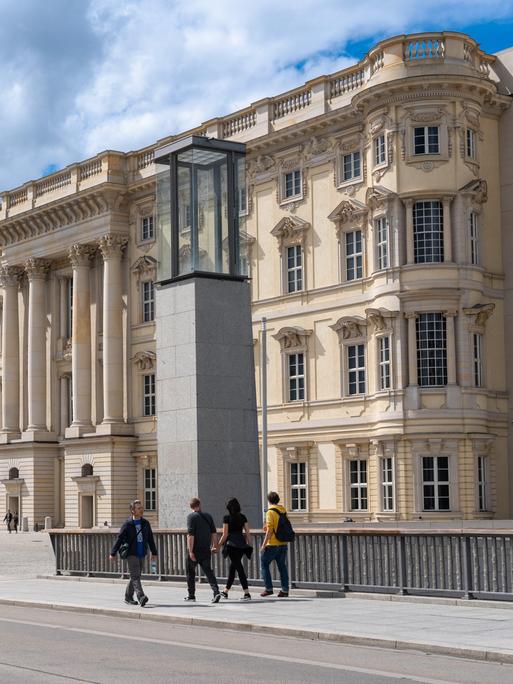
{"x": 293, "y": 340}
{"x": 291, "y": 231}
{"x": 477, "y": 317}
{"x": 141, "y": 210}
{"x": 350, "y": 215}
{"x": 351, "y": 330}
{"x": 290, "y": 164}
{"x": 350, "y": 146}
{"x": 435, "y": 447}
{"x": 426, "y": 115}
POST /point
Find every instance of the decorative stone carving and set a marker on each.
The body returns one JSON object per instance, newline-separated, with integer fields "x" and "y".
{"x": 426, "y": 115}
{"x": 376, "y": 125}
{"x": 10, "y": 276}
{"x": 81, "y": 255}
{"x": 144, "y": 268}
{"x": 478, "y": 316}
{"x": 292, "y": 339}
{"x": 378, "y": 197}
{"x": 349, "y": 211}
{"x": 471, "y": 114}
{"x": 37, "y": 268}
{"x": 112, "y": 245}
{"x": 66, "y": 352}
{"x": 350, "y": 328}
{"x": 290, "y": 230}
{"x": 145, "y": 360}
{"x": 380, "y": 318}
{"x": 315, "y": 147}
{"x": 478, "y": 192}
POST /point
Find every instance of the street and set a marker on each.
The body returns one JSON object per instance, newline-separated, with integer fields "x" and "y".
{"x": 49, "y": 646}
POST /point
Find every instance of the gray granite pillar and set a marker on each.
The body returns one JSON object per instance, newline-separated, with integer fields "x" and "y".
{"x": 206, "y": 402}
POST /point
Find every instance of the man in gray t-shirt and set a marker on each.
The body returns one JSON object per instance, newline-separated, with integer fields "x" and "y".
{"x": 201, "y": 543}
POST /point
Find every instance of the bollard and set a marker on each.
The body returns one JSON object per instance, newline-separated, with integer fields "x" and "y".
{"x": 24, "y": 524}
{"x": 48, "y": 523}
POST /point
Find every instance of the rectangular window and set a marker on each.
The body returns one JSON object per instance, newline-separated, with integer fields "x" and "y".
{"x": 358, "y": 481}
{"x": 426, "y": 140}
{"x": 69, "y": 399}
{"x": 242, "y": 197}
{"x": 354, "y": 255}
{"x": 69, "y": 307}
{"x": 150, "y": 489}
{"x": 474, "y": 238}
{"x": 355, "y": 369}
{"x": 149, "y": 395}
{"x": 351, "y": 166}
{"x": 292, "y": 184}
{"x": 379, "y": 150}
{"x": 428, "y": 232}
{"x": 148, "y": 301}
{"x": 482, "y": 483}
{"x": 431, "y": 350}
{"x": 387, "y": 483}
{"x": 147, "y": 232}
{"x": 384, "y": 362}
{"x": 471, "y": 143}
{"x": 435, "y": 483}
{"x": 381, "y": 233}
{"x": 477, "y": 344}
{"x": 294, "y": 268}
{"x": 296, "y": 369}
{"x": 298, "y": 487}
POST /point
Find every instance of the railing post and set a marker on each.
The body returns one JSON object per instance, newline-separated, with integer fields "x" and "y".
{"x": 401, "y": 562}
{"x": 344, "y": 560}
{"x": 466, "y": 563}
{"x": 291, "y": 560}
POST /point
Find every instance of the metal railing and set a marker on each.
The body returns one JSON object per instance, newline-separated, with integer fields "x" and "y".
{"x": 477, "y": 564}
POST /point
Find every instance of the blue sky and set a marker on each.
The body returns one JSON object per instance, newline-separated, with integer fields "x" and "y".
{"x": 81, "y": 76}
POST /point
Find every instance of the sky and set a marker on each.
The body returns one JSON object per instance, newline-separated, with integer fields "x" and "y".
{"x": 82, "y": 76}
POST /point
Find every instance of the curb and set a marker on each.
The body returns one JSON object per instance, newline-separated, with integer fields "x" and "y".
{"x": 393, "y": 644}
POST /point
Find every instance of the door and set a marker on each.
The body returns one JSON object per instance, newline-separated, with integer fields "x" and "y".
{"x": 86, "y": 513}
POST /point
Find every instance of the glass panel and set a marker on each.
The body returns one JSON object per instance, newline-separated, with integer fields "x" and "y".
{"x": 184, "y": 219}
{"x": 164, "y": 221}
{"x": 240, "y": 216}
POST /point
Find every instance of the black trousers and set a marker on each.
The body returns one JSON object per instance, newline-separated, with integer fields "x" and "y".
{"x": 204, "y": 561}
{"x": 235, "y": 556}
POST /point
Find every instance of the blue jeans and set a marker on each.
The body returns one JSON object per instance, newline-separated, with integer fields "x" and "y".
{"x": 278, "y": 554}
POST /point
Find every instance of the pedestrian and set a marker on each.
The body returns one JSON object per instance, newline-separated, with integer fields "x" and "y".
{"x": 134, "y": 538}
{"x": 8, "y": 520}
{"x": 236, "y": 543}
{"x": 15, "y": 521}
{"x": 201, "y": 544}
{"x": 273, "y": 549}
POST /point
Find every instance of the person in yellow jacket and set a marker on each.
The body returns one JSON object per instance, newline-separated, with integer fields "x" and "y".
{"x": 273, "y": 549}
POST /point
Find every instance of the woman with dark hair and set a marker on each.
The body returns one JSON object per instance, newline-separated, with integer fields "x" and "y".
{"x": 236, "y": 542}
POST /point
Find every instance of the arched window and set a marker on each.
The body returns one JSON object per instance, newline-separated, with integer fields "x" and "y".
{"x": 87, "y": 469}
{"x": 14, "y": 474}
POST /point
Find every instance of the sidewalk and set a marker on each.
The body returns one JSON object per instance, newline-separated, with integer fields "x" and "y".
{"x": 481, "y": 631}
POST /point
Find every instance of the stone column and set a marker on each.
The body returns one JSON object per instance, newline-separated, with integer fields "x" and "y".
{"x": 80, "y": 257}
{"x": 410, "y": 251}
{"x": 9, "y": 279}
{"x": 111, "y": 247}
{"x": 412, "y": 399}
{"x": 36, "y": 270}
{"x": 446, "y": 201}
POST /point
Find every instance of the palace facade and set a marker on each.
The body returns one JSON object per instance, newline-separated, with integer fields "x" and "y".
{"x": 373, "y": 243}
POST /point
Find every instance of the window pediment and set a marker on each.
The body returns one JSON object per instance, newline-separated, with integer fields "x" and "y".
{"x": 290, "y": 230}
{"x": 380, "y": 318}
{"x": 145, "y": 360}
{"x": 350, "y": 328}
{"x": 378, "y": 197}
{"x": 478, "y": 190}
{"x": 351, "y": 212}
{"x": 478, "y": 316}
{"x": 292, "y": 339}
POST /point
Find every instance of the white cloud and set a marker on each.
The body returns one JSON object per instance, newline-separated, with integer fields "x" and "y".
{"x": 80, "y": 76}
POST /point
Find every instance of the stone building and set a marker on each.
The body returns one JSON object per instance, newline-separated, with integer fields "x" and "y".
{"x": 373, "y": 240}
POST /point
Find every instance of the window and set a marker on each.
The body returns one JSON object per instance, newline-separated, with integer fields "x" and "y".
{"x": 87, "y": 470}
{"x": 428, "y": 232}
{"x": 292, "y": 182}
{"x": 435, "y": 483}
{"x": 296, "y": 370}
{"x": 149, "y": 395}
{"x": 355, "y": 369}
{"x": 147, "y": 231}
{"x": 69, "y": 307}
{"x": 150, "y": 489}
{"x": 471, "y": 143}
{"x": 69, "y": 399}
{"x": 14, "y": 473}
{"x": 298, "y": 488}
{"x": 474, "y": 238}
{"x": 358, "y": 481}
{"x": 381, "y": 233}
{"x": 354, "y": 255}
{"x": 379, "y": 150}
{"x": 431, "y": 350}
{"x": 351, "y": 166}
{"x": 482, "y": 484}
{"x": 148, "y": 301}
{"x": 477, "y": 346}
{"x": 294, "y": 268}
{"x": 384, "y": 362}
{"x": 426, "y": 140}
{"x": 387, "y": 483}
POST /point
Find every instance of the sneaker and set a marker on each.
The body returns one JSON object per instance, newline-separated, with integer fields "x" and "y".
{"x": 246, "y": 597}
{"x": 131, "y": 602}
{"x": 224, "y": 594}
{"x": 267, "y": 593}
{"x": 217, "y": 598}
{"x": 283, "y": 594}
{"x": 143, "y": 601}
{"x": 189, "y": 598}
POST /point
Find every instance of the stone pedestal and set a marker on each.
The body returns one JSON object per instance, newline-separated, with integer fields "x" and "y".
{"x": 206, "y": 403}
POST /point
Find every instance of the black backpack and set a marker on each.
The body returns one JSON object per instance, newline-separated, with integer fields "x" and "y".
{"x": 284, "y": 531}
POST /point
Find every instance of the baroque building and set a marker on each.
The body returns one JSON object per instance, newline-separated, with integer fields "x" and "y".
{"x": 373, "y": 244}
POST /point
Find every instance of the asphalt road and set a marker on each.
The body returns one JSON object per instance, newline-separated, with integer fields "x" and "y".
{"x": 51, "y": 647}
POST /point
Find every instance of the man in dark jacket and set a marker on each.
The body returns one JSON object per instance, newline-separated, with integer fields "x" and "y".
{"x": 8, "y": 520}
{"x": 137, "y": 533}
{"x": 201, "y": 543}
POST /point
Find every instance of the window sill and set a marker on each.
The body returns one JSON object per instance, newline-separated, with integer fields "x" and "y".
{"x": 348, "y": 183}
{"x": 289, "y": 200}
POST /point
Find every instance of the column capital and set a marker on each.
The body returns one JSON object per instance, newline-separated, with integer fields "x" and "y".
{"x": 450, "y": 313}
{"x": 10, "y": 276}
{"x": 411, "y": 314}
{"x": 36, "y": 269}
{"x": 81, "y": 255}
{"x": 112, "y": 245}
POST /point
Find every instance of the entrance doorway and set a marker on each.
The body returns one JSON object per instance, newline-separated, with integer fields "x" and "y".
{"x": 86, "y": 511}
{"x": 13, "y": 504}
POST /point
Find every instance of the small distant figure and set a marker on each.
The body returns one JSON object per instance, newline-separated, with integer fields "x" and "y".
{"x": 201, "y": 544}
{"x": 8, "y": 520}
{"x": 15, "y": 520}
{"x": 134, "y": 538}
{"x": 236, "y": 543}
{"x": 278, "y": 531}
